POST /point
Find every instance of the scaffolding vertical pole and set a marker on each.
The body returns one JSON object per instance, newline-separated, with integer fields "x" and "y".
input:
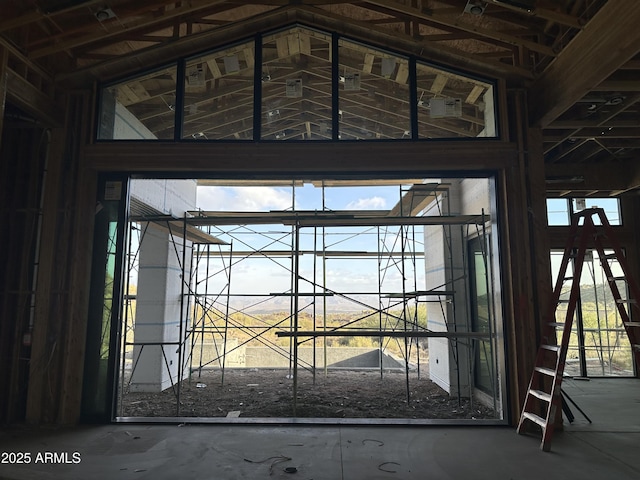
{"x": 188, "y": 325}
{"x": 126, "y": 318}
{"x": 492, "y": 348}
{"x": 415, "y": 299}
{"x": 181, "y": 329}
{"x": 380, "y": 339}
{"x": 315, "y": 286}
{"x": 296, "y": 292}
{"x": 204, "y": 306}
{"x": 195, "y": 260}
{"x": 324, "y": 286}
{"x": 226, "y": 316}
{"x": 404, "y": 299}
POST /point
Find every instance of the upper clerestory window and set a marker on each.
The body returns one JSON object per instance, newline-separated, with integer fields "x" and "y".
{"x": 298, "y": 84}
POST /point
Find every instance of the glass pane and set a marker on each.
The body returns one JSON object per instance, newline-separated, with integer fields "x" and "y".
{"x": 296, "y": 85}
{"x": 481, "y": 320}
{"x": 142, "y": 108}
{"x": 598, "y": 345}
{"x": 373, "y": 94}
{"x": 450, "y": 105}
{"x": 611, "y": 207}
{"x": 218, "y": 94}
{"x": 557, "y": 211}
{"x": 606, "y": 344}
{"x": 103, "y": 306}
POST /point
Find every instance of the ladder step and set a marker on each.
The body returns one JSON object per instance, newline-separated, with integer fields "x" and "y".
{"x": 556, "y": 324}
{"x": 632, "y": 324}
{"x": 546, "y": 371}
{"x": 616, "y": 279}
{"x": 552, "y": 348}
{"x": 535, "y": 418}
{"x": 631, "y": 301}
{"x": 541, "y": 395}
{"x": 609, "y": 256}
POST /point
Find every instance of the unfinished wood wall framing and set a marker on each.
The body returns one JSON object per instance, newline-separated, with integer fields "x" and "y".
{"x": 61, "y": 313}
{"x": 55, "y": 374}
{"x": 49, "y": 155}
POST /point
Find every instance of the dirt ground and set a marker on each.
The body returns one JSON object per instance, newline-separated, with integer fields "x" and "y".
{"x": 269, "y": 393}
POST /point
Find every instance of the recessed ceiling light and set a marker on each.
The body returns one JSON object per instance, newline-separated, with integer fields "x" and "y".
{"x": 104, "y": 13}
{"x": 475, "y": 7}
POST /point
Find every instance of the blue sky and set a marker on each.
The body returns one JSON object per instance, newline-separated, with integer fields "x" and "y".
{"x": 259, "y": 274}
{"x": 307, "y": 197}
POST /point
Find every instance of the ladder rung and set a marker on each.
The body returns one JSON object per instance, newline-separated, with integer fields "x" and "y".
{"x": 609, "y": 256}
{"x": 556, "y": 324}
{"x": 632, "y": 324}
{"x": 566, "y": 279}
{"x": 546, "y": 371}
{"x": 541, "y": 395}
{"x": 626, "y": 300}
{"x": 552, "y": 348}
{"x": 535, "y": 418}
{"x": 616, "y": 279}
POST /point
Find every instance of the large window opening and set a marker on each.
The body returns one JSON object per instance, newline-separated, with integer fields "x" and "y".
{"x": 343, "y": 299}
{"x": 298, "y": 84}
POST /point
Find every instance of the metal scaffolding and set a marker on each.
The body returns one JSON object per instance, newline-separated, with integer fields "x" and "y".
{"x": 222, "y": 242}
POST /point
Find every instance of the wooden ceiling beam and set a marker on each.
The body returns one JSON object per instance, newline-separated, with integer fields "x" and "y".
{"x": 436, "y": 52}
{"x": 37, "y": 15}
{"x": 100, "y": 35}
{"x": 453, "y": 22}
{"x": 575, "y": 124}
{"x": 607, "y": 132}
{"x": 608, "y": 175}
{"x": 593, "y": 55}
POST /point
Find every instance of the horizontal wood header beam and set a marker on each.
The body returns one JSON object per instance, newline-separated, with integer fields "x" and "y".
{"x": 300, "y": 159}
{"x": 604, "y": 176}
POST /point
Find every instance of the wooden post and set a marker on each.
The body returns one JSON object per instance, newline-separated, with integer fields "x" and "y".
{"x": 79, "y": 274}
{"x": 44, "y": 341}
{"x": 4, "y": 76}
{"x": 528, "y": 249}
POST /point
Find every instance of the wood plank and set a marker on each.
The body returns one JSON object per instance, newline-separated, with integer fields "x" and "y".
{"x": 39, "y": 394}
{"x": 214, "y": 68}
{"x": 403, "y": 73}
{"x": 31, "y": 99}
{"x": 294, "y": 44}
{"x": 249, "y": 57}
{"x": 475, "y": 93}
{"x": 594, "y": 54}
{"x": 145, "y": 22}
{"x": 266, "y": 157}
{"x": 282, "y": 47}
{"x": 37, "y": 15}
{"x": 4, "y": 81}
{"x": 454, "y": 22}
{"x": 614, "y": 85}
{"x": 305, "y": 44}
{"x": 369, "y": 58}
{"x": 439, "y": 83}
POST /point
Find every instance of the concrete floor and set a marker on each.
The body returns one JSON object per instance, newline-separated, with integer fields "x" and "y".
{"x": 609, "y": 448}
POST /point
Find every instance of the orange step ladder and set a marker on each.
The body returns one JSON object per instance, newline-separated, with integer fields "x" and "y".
{"x": 543, "y": 401}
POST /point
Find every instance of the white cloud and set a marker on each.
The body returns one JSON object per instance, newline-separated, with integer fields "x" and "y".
{"x": 243, "y": 199}
{"x": 370, "y": 203}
